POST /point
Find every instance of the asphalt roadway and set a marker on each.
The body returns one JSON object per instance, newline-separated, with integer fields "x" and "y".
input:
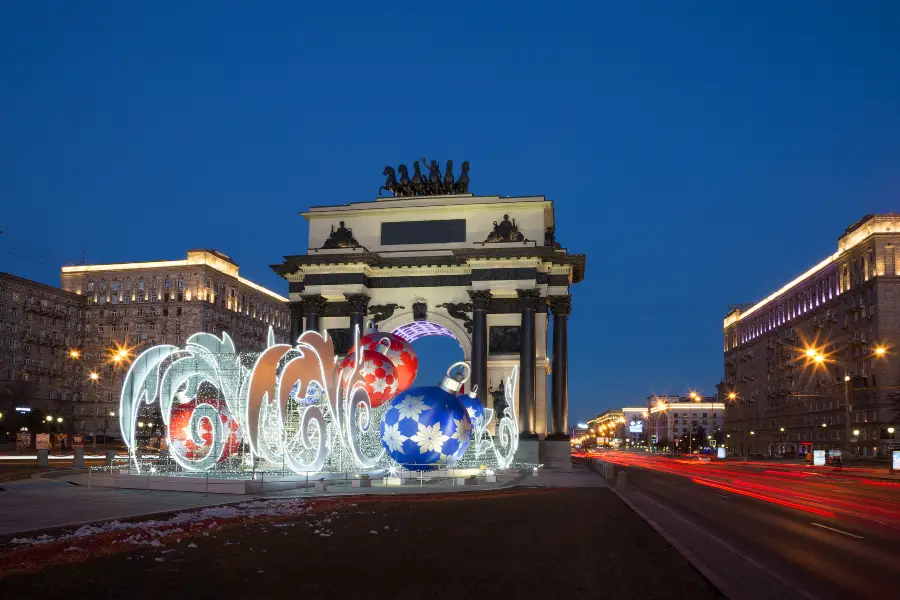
{"x": 826, "y": 535}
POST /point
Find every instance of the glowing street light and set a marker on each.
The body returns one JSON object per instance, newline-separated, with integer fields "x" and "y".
{"x": 880, "y": 350}
{"x": 694, "y": 396}
{"x": 856, "y": 432}
{"x": 781, "y": 430}
{"x": 752, "y": 433}
{"x": 824, "y": 425}
{"x": 94, "y": 376}
{"x": 891, "y": 430}
{"x": 846, "y": 378}
{"x": 811, "y": 353}
{"x": 59, "y": 419}
{"x": 74, "y": 353}
{"x": 49, "y": 418}
{"x": 732, "y": 395}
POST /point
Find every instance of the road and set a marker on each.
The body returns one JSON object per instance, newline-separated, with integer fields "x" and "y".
{"x": 830, "y": 536}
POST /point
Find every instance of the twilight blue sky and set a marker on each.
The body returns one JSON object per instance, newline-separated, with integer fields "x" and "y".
{"x": 700, "y": 155}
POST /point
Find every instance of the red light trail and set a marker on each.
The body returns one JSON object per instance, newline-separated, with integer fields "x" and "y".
{"x": 829, "y": 494}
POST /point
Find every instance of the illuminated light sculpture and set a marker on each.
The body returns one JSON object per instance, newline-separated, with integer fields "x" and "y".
{"x": 399, "y": 351}
{"x": 297, "y": 408}
{"x": 194, "y": 423}
{"x": 378, "y": 370}
{"x": 428, "y": 427}
{"x": 500, "y": 447}
{"x": 472, "y": 403}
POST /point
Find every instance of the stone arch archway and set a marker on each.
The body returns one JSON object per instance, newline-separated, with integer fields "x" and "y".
{"x": 406, "y": 317}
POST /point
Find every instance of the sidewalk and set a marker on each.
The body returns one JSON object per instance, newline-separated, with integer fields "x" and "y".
{"x": 73, "y": 498}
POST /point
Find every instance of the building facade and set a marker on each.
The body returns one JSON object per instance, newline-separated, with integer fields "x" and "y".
{"x": 59, "y": 346}
{"x": 38, "y": 325}
{"x": 484, "y": 270}
{"x": 624, "y": 427}
{"x": 811, "y": 365}
{"x": 676, "y": 420}
{"x": 141, "y": 304}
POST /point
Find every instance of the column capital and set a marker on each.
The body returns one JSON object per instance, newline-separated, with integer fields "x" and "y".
{"x": 359, "y": 303}
{"x": 314, "y": 303}
{"x": 560, "y": 305}
{"x": 481, "y": 299}
{"x": 528, "y": 299}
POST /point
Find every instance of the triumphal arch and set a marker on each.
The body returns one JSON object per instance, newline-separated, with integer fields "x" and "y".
{"x": 434, "y": 259}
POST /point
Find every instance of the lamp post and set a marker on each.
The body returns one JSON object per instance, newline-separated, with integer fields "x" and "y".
{"x": 890, "y": 431}
{"x": 819, "y": 358}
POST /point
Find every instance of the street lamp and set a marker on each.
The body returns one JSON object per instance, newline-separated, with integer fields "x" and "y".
{"x": 732, "y": 395}
{"x": 74, "y": 354}
{"x": 94, "y": 376}
{"x": 819, "y": 358}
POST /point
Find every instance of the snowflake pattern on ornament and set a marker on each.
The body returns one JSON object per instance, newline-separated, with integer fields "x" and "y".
{"x": 430, "y": 439}
{"x": 400, "y": 353}
{"x": 393, "y": 438}
{"x": 463, "y": 430}
{"x": 378, "y": 373}
{"x": 411, "y": 407}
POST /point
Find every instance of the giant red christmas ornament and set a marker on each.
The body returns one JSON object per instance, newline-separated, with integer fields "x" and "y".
{"x": 180, "y": 430}
{"x": 379, "y": 374}
{"x": 401, "y": 354}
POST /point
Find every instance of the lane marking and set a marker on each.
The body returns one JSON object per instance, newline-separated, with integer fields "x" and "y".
{"x": 853, "y": 535}
{"x": 723, "y": 496}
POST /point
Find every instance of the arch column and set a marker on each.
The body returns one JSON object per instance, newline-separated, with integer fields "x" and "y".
{"x": 314, "y": 307}
{"x": 480, "y": 301}
{"x": 528, "y": 301}
{"x": 561, "y": 307}
{"x": 296, "y": 309}
{"x": 359, "y": 306}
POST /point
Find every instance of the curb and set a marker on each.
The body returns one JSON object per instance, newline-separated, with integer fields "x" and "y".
{"x": 716, "y": 581}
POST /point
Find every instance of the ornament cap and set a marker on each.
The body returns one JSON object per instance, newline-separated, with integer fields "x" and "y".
{"x": 473, "y": 393}
{"x": 454, "y": 384}
{"x": 383, "y": 346}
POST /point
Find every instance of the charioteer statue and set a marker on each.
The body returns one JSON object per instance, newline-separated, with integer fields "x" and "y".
{"x": 434, "y": 184}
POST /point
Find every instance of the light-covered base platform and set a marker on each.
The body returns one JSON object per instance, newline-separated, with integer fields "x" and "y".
{"x": 262, "y": 482}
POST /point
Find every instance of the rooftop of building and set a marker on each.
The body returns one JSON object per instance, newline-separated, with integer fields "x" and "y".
{"x": 211, "y": 258}
{"x": 406, "y": 202}
{"x": 853, "y": 235}
{"x": 39, "y": 285}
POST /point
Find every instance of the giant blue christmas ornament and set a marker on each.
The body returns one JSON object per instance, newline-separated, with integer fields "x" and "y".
{"x": 428, "y": 427}
{"x": 473, "y": 407}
